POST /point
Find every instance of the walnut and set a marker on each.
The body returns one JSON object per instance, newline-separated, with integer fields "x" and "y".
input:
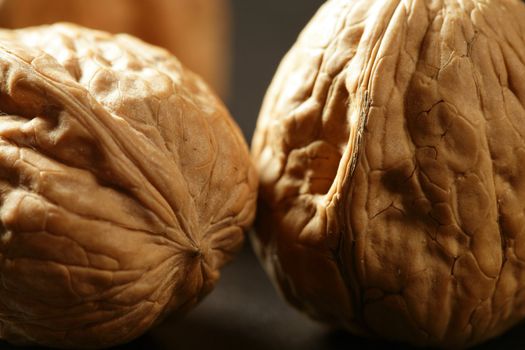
{"x": 392, "y": 166}
{"x": 125, "y": 186}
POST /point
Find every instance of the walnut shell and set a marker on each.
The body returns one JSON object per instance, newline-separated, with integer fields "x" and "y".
{"x": 392, "y": 166}
{"x": 125, "y": 186}
{"x": 196, "y": 31}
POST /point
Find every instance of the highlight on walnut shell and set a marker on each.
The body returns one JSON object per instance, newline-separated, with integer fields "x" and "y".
{"x": 125, "y": 186}
{"x": 392, "y": 166}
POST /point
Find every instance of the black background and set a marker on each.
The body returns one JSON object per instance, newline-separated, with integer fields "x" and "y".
{"x": 244, "y": 311}
{"x": 264, "y": 30}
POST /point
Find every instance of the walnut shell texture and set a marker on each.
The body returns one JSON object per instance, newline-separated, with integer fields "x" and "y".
{"x": 391, "y": 155}
{"x": 124, "y": 186}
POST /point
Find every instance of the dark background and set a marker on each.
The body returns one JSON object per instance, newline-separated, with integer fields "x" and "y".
{"x": 244, "y": 311}
{"x": 263, "y": 30}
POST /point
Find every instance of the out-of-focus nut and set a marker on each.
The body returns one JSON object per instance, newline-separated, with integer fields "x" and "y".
{"x": 196, "y": 31}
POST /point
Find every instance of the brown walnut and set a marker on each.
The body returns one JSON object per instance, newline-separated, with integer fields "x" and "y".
{"x": 124, "y": 187}
{"x": 391, "y": 154}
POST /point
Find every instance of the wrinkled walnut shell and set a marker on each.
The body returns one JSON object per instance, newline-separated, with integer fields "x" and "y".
{"x": 392, "y": 166}
{"x": 125, "y": 186}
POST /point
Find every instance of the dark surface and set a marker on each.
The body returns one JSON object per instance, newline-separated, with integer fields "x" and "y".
{"x": 244, "y": 311}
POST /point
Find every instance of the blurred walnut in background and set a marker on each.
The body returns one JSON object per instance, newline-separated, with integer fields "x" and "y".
{"x": 196, "y": 31}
